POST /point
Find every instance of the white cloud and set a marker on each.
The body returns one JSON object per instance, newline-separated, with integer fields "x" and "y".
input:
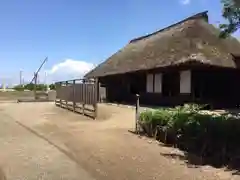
{"x": 185, "y": 2}
{"x": 68, "y": 69}
{"x": 65, "y": 70}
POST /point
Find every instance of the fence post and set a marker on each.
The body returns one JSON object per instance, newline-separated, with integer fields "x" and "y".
{"x": 66, "y": 100}
{"x": 60, "y": 85}
{"x": 99, "y": 94}
{"x": 96, "y": 97}
{"x": 83, "y": 96}
{"x": 74, "y": 101}
{"x": 56, "y": 94}
{"x": 137, "y": 113}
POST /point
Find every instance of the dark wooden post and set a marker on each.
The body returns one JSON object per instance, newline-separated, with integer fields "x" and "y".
{"x": 74, "y": 100}
{"x": 56, "y": 94}
{"x": 137, "y": 113}
{"x": 60, "y": 86}
{"x": 55, "y": 101}
{"x": 99, "y": 94}
{"x": 96, "y": 97}
{"x": 83, "y": 96}
{"x": 66, "y": 93}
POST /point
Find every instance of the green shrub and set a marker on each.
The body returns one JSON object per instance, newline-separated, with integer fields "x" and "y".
{"x": 18, "y": 88}
{"x": 52, "y": 86}
{"x": 209, "y": 135}
{"x": 29, "y": 86}
{"x": 146, "y": 116}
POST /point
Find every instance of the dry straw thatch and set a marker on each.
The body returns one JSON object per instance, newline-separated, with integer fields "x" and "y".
{"x": 191, "y": 40}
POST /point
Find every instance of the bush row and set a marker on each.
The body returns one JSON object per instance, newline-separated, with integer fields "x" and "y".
{"x": 209, "y": 135}
{"x": 30, "y": 87}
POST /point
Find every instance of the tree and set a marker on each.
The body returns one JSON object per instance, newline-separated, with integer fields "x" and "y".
{"x": 52, "y": 86}
{"x": 18, "y": 88}
{"x": 231, "y": 12}
{"x": 41, "y": 87}
{"x": 29, "y": 86}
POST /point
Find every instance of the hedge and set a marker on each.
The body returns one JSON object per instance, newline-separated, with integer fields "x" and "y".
{"x": 209, "y": 135}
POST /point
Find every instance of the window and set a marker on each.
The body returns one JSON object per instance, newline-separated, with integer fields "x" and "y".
{"x": 149, "y": 83}
{"x": 185, "y": 82}
{"x": 158, "y": 83}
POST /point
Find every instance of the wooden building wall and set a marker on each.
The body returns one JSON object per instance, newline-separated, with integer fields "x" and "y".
{"x": 219, "y": 87}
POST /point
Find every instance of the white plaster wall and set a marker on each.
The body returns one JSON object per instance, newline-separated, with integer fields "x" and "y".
{"x": 185, "y": 81}
{"x": 158, "y": 83}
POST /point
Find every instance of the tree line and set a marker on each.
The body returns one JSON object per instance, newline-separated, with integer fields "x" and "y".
{"x": 30, "y": 87}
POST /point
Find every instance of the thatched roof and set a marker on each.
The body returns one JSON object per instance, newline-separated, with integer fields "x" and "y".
{"x": 192, "y": 39}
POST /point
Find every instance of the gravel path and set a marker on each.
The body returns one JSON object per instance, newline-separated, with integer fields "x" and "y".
{"x": 25, "y": 156}
{"x": 53, "y": 142}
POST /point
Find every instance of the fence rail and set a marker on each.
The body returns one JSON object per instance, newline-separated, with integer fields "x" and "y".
{"x": 78, "y": 95}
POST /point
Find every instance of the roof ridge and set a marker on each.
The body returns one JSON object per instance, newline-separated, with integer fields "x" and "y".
{"x": 195, "y": 16}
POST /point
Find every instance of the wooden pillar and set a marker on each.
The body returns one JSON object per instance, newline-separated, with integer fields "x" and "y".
{"x": 99, "y": 95}
{"x": 56, "y": 94}
{"x": 83, "y": 95}
{"x": 137, "y": 114}
{"x": 193, "y": 84}
{"x": 96, "y": 98}
{"x": 74, "y": 100}
{"x": 66, "y": 97}
{"x": 60, "y": 86}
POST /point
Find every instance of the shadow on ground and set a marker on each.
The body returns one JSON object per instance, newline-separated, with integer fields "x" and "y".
{"x": 2, "y": 175}
{"x": 194, "y": 161}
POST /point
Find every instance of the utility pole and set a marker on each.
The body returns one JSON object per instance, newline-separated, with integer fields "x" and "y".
{"x": 20, "y": 76}
{"x": 45, "y": 81}
{"x": 4, "y": 86}
{"x": 45, "y": 78}
{"x": 38, "y": 78}
{"x": 35, "y": 85}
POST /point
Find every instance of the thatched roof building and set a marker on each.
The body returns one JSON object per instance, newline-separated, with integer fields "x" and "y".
{"x": 185, "y": 62}
{"x": 192, "y": 39}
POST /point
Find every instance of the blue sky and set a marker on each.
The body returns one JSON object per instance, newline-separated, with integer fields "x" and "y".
{"x": 76, "y": 34}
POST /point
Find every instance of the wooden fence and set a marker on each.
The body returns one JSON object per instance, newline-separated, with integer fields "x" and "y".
{"x": 78, "y": 95}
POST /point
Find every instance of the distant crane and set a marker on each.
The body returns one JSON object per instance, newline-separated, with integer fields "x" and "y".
{"x": 35, "y": 76}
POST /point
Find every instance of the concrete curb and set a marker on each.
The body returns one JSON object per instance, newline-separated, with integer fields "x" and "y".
{"x": 120, "y": 105}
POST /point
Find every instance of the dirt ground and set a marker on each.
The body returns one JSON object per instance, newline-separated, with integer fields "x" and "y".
{"x": 57, "y": 143}
{"x": 14, "y": 95}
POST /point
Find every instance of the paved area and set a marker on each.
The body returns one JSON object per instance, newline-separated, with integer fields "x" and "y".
{"x": 41, "y": 141}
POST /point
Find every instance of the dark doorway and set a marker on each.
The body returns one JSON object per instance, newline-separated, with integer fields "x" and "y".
{"x": 217, "y": 86}
{"x": 170, "y": 84}
{"x": 137, "y": 83}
